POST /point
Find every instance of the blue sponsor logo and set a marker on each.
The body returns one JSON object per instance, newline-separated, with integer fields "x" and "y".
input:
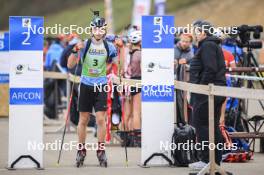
{"x": 154, "y": 33}
{"x": 24, "y": 33}
{"x": 158, "y": 93}
{"x": 4, "y": 78}
{"x": 26, "y": 96}
{"x": 4, "y": 41}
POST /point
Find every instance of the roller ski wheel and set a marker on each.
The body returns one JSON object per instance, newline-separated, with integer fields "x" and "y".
{"x": 102, "y": 158}
{"x": 80, "y": 158}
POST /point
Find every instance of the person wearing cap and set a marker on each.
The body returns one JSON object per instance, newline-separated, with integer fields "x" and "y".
{"x": 206, "y": 67}
{"x": 95, "y": 53}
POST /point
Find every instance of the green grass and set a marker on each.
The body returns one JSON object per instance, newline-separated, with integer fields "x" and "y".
{"x": 122, "y": 12}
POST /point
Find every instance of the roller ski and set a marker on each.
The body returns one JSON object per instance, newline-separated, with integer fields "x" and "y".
{"x": 80, "y": 158}
{"x": 102, "y": 158}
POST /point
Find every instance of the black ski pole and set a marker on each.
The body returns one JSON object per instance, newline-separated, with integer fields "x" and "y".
{"x": 68, "y": 110}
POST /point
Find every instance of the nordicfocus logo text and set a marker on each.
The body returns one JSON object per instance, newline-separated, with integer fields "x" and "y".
{"x": 57, "y": 145}
{"x": 190, "y": 145}
{"x": 149, "y": 90}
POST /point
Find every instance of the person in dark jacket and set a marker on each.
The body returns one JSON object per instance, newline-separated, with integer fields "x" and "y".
{"x": 183, "y": 54}
{"x": 65, "y": 55}
{"x": 206, "y": 67}
{"x": 183, "y": 51}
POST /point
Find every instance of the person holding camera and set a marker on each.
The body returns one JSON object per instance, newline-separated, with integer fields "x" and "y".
{"x": 206, "y": 67}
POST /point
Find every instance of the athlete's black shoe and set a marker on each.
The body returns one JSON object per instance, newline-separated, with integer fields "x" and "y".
{"x": 80, "y": 157}
{"x": 102, "y": 158}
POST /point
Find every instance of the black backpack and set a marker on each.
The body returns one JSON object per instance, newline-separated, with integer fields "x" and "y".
{"x": 89, "y": 41}
{"x": 183, "y": 155}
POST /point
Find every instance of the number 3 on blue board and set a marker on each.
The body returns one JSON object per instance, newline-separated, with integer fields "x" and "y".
{"x": 157, "y": 36}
